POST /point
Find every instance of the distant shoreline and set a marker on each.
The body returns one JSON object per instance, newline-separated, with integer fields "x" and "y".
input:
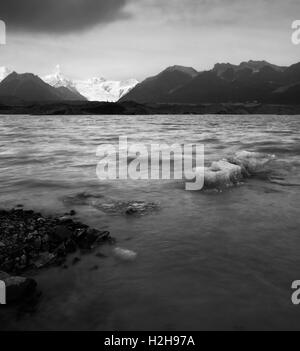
{"x": 132, "y": 108}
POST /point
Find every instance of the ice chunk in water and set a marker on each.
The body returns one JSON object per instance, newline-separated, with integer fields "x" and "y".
{"x": 222, "y": 174}
{"x": 124, "y": 254}
{"x": 251, "y": 162}
{"x": 228, "y": 172}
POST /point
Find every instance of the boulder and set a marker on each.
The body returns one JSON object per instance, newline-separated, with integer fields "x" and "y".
{"x": 61, "y": 233}
{"x": 17, "y": 288}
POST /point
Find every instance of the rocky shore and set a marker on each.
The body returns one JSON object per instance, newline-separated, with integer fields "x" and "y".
{"x": 30, "y": 241}
{"x": 133, "y": 108}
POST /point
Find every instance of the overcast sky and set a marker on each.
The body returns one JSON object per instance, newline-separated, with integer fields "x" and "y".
{"x": 120, "y": 39}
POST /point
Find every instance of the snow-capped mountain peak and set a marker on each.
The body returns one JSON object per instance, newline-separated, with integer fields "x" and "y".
{"x": 57, "y": 79}
{"x": 99, "y": 89}
{"x": 4, "y": 72}
{"x": 96, "y": 80}
{"x": 94, "y": 89}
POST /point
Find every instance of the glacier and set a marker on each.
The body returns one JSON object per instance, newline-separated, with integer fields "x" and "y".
{"x": 94, "y": 89}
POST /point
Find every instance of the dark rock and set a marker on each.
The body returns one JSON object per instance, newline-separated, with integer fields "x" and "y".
{"x": 70, "y": 246}
{"x": 91, "y": 237}
{"x": 61, "y": 233}
{"x": 8, "y": 265}
{"x": 75, "y": 260}
{"x": 131, "y": 210}
{"x": 100, "y": 255}
{"x": 60, "y": 261}
{"x": 23, "y": 260}
{"x": 45, "y": 259}
{"x": 80, "y": 233}
{"x": 102, "y": 236}
{"x": 29, "y": 240}
{"x": 65, "y": 220}
{"x": 61, "y": 251}
{"x": 17, "y": 288}
{"x": 38, "y": 243}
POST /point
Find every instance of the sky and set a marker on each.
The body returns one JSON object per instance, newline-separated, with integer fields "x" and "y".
{"x": 121, "y": 39}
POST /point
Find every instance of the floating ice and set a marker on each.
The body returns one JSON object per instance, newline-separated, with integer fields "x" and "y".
{"x": 221, "y": 174}
{"x": 225, "y": 173}
{"x": 124, "y": 254}
{"x": 251, "y": 162}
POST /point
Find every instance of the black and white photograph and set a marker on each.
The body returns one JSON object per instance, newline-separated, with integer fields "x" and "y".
{"x": 149, "y": 167}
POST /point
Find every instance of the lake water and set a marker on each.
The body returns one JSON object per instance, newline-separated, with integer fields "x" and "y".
{"x": 205, "y": 260}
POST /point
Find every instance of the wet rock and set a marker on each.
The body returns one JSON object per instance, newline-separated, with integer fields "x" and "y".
{"x": 38, "y": 243}
{"x": 131, "y": 210}
{"x": 111, "y": 206}
{"x": 61, "y": 251}
{"x": 17, "y": 288}
{"x": 75, "y": 260}
{"x": 60, "y": 260}
{"x": 70, "y": 246}
{"x": 23, "y": 260}
{"x": 61, "y": 233}
{"x": 45, "y": 259}
{"x": 100, "y": 255}
{"x": 65, "y": 220}
{"x": 90, "y": 237}
{"x": 29, "y": 240}
{"x": 4, "y": 275}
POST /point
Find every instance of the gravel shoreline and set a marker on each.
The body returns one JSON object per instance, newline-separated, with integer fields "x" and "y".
{"x": 30, "y": 241}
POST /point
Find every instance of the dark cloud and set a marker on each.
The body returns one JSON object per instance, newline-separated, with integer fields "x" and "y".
{"x": 59, "y": 16}
{"x": 225, "y": 13}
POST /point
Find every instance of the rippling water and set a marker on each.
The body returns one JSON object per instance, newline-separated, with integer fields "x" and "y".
{"x": 206, "y": 260}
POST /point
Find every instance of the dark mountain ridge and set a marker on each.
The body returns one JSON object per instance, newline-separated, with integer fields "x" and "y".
{"x": 154, "y": 89}
{"x": 29, "y": 87}
{"x": 252, "y": 81}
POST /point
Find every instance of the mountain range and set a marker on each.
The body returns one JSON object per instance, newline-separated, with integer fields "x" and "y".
{"x": 248, "y": 82}
{"x": 252, "y": 81}
{"x": 57, "y": 87}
